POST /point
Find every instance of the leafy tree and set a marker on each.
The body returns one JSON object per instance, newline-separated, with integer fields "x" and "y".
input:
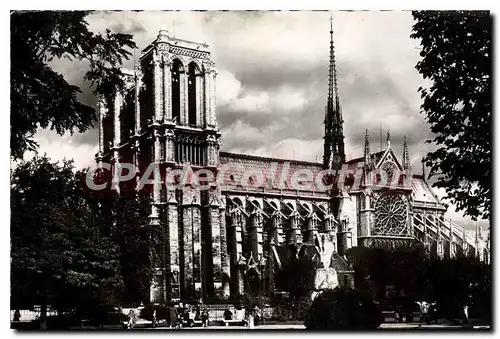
{"x": 131, "y": 233}
{"x": 297, "y": 277}
{"x": 60, "y": 253}
{"x": 456, "y": 58}
{"x": 42, "y": 97}
{"x": 73, "y": 250}
{"x": 343, "y": 309}
{"x": 402, "y": 268}
{"x": 456, "y": 282}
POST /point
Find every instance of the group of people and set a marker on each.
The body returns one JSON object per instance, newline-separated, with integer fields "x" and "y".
{"x": 428, "y": 311}
{"x": 251, "y": 318}
{"x": 190, "y": 314}
{"x": 177, "y": 316}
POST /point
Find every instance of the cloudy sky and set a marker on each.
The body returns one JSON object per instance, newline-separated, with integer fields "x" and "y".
{"x": 273, "y": 78}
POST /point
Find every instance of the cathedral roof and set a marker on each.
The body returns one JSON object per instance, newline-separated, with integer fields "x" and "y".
{"x": 375, "y": 157}
{"x": 272, "y": 168}
{"x": 422, "y": 192}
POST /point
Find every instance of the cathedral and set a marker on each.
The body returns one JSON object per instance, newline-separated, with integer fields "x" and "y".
{"x": 223, "y": 240}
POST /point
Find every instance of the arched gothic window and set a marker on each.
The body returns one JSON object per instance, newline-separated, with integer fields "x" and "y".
{"x": 192, "y": 92}
{"x": 176, "y": 94}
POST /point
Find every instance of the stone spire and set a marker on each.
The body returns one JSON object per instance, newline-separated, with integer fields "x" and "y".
{"x": 406, "y": 157}
{"x": 334, "y": 135}
{"x": 388, "y": 139}
{"x": 367, "y": 149}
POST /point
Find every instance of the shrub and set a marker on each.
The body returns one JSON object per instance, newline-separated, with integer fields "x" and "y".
{"x": 343, "y": 309}
{"x": 147, "y": 312}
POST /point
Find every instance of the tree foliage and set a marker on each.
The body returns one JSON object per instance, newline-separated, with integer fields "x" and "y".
{"x": 456, "y": 58}
{"x": 343, "y": 309}
{"x": 73, "y": 250}
{"x": 297, "y": 277}
{"x": 417, "y": 275}
{"x": 60, "y": 252}
{"x": 41, "y": 97}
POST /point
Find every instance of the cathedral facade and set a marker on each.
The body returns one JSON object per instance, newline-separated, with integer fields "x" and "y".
{"x": 233, "y": 234}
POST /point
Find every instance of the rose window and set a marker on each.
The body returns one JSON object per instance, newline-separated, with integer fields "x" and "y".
{"x": 391, "y": 215}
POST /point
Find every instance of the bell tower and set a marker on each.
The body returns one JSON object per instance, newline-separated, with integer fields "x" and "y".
{"x": 178, "y": 100}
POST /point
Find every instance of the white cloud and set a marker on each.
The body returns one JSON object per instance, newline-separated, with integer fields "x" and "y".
{"x": 252, "y": 101}
{"x": 58, "y": 148}
{"x": 228, "y": 87}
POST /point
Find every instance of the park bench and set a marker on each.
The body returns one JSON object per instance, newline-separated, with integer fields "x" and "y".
{"x": 239, "y": 318}
{"x": 389, "y": 316}
{"x": 233, "y": 321}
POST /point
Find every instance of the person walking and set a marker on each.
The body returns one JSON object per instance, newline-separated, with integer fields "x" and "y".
{"x": 131, "y": 321}
{"x": 154, "y": 318}
{"x": 204, "y": 317}
{"x": 228, "y": 315}
{"x": 17, "y": 315}
{"x": 257, "y": 314}
{"x": 173, "y": 316}
{"x": 250, "y": 321}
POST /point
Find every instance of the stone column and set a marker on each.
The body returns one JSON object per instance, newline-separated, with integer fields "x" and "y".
{"x": 116, "y": 141}
{"x": 439, "y": 241}
{"x": 136, "y": 162}
{"x": 172, "y": 240}
{"x": 237, "y": 256}
{"x": 255, "y": 235}
{"x": 214, "y": 226}
{"x": 183, "y": 79}
{"x": 213, "y": 100}
{"x": 169, "y": 146}
{"x": 451, "y": 241}
{"x": 199, "y": 97}
{"x": 157, "y": 180}
{"x": 191, "y": 232}
{"x": 208, "y": 95}
{"x": 138, "y": 84}
{"x": 240, "y": 282}
{"x": 167, "y": 86}
{"x": 102, "y": 112}
{"x": 157, "y": 87}
{"x": 225, "y": 260}
{"x": 368, "y": 221}
{"x": 116, "y": 118}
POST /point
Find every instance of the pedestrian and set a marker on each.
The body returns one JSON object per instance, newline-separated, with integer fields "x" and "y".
{"x": 204, "y": 317}
{"x": 131, "y": 321}
{"x": 257, "y": 315}
{"x": 425, "y": 311}
{"x": 466, "y": 313}
{"x": 228, "y": 315}
{"x": 154, "y": 318}
{"x": 250, "y": 320}
{"x": 173, "y": 316}
{"x": 17, "y": 315}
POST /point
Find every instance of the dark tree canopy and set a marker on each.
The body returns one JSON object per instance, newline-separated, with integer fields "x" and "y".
{"x": 456, "y": 58}
{"x": 61, "y": 252}
{"x": 297, "y": 277}
{"x": 41, "y": 97}
{"x": 71, "y": 249}
{"x": 417, "y": 275}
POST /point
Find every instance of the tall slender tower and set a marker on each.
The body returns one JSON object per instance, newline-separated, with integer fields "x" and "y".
{"x": 334, "y": 152}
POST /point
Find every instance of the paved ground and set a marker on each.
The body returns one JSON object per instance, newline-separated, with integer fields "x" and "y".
{"x": 387, "y": 326}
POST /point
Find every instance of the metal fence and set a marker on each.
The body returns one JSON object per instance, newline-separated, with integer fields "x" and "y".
{"x": 30, "y": 315}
